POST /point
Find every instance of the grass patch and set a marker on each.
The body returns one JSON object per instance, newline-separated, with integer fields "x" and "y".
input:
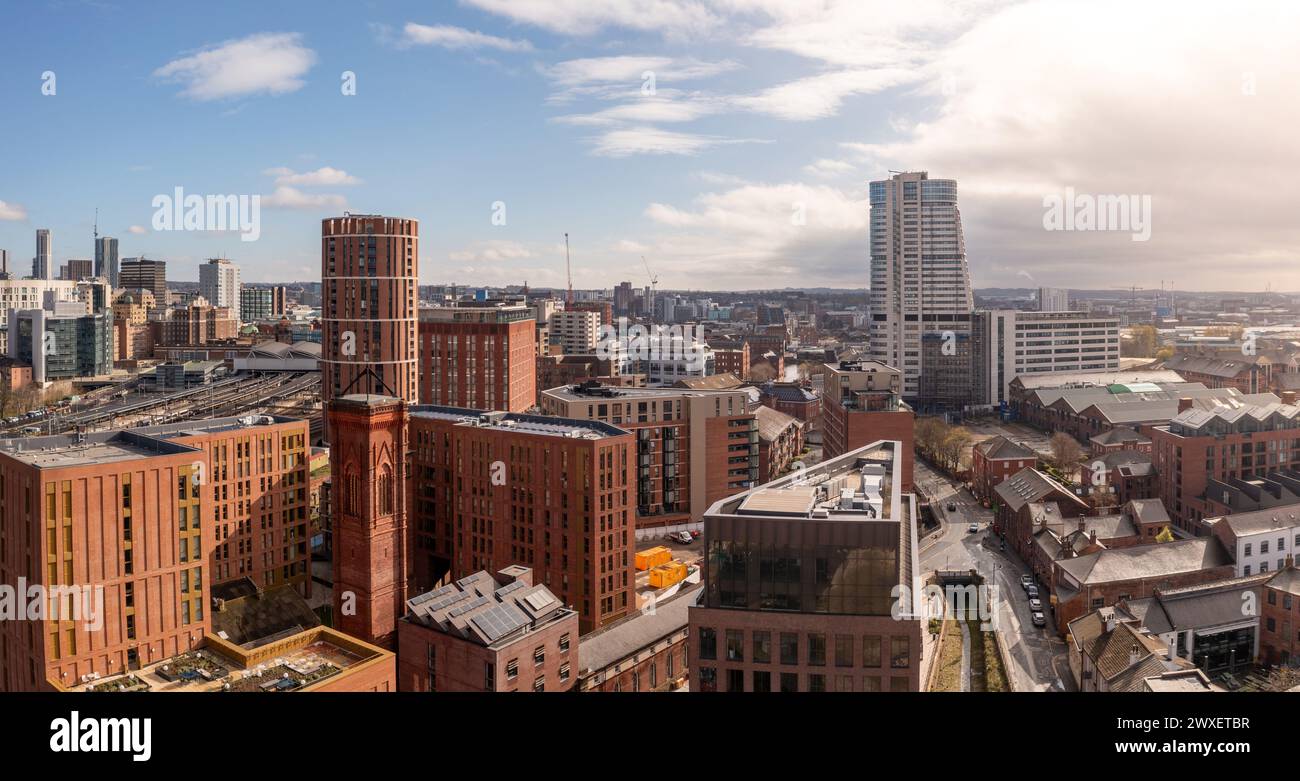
{"x": 947, "y": 678}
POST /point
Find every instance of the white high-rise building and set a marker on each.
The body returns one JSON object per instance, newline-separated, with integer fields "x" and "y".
{"x": 920, "y": 283}
{"x": 576, "y": 331}
{"x": 219, "y": 283}
{"x": 1011, "y": 343}
{"x": 1053, "y": 299}
{"x": 43, "y": 264}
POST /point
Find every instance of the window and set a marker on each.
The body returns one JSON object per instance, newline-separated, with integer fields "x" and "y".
{"x": 708, "y": 643}
{"x": 898, "y": 652}
{"x": 539, "y": 685}
{"x": 735, "y": 680}
{"x": 763, "y": 647}
{"x": 871, "y": 683}
{"x": 708, "y": 679}
{"x": 789, "y": 648}
{"x": 843, "y": 650}
{"x": 564, "y": 642}
{"x": 512, "y": 669}
{"x": 816, "y": 682}
{"x": 789, "y": 682}
{"x": 735, "y": 645}
{"x": 564, "y": 672}
{"x": 898, "y": 684}
{"x": 1248, "y": 548}
{"x": 870, "y": 651}
{"x": 539, "y": 655}
{"x": 844, "y": 683}
{"x": 817, "y": 651}
{"x": 1263, "y": 547}
{"x": 489, "y": 676}
{"x": 762, "y": 681}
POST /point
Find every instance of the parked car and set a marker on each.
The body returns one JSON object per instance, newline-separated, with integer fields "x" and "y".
{"x": 1038, "y": 619}
{"x": 684, "y": 537}
{"x": 1026, "y": 581}
{"x": 1036, "y": 605}
{"x": 974, "y": 527}
{"x": 952, "y": 508}
{"x": 1032, "y": 592}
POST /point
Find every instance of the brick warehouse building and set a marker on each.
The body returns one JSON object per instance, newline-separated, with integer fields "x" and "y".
{"x": 480, "y": 633}
{"x": 481, "y": 357}
{"x": 693, "y": 447}
{"x": 156, "y": 517}
{"x": 369, "y": 281}
{"x": 799, "y": 581}
{"x": 493, "y": 489}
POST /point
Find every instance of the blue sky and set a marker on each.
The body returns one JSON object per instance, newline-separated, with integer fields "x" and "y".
{"x": 761, "y": 109}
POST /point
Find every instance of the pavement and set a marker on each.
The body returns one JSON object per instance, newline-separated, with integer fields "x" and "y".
{"x": 1038, "y": 657}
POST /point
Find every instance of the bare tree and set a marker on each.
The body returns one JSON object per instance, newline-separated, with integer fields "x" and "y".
{"x": 1066, "y": 452}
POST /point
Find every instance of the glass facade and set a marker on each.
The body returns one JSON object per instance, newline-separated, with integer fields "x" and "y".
{"x": 815, "y": 579}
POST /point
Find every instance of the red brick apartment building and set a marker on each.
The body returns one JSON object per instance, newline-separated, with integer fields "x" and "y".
{"x": 491, "y": 489}
{"x": 197, "y": 324}
{"x": 480, "y": 357}
{"x": 730, "y": 356}
{"x": 1279, "y": 619}
{"x": 1201, "y": 456}
{"x": 863, "y": 403}
{"x": 996, "y": 459}
{"x": 369, "y": 281}
{"x": 483, "y": 634}
{"x": 155, "y": 517}
{"x": 693, "y": 447}
{"x": 798, "y": 582}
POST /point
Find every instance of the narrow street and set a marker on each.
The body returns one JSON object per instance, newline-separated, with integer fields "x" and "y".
{"x": 1038, "y": 658}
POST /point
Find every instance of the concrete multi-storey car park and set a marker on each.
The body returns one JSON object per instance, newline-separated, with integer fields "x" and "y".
{"x": 801, "y": 575}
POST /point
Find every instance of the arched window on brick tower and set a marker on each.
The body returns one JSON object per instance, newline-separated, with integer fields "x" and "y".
{"x": 386, "y": 490}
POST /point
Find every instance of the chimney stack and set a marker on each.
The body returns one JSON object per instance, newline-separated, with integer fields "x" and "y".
{"x": 1288, "y": 397}
{"x": 1184, "y": 404}
{"x": 1133, "y": 655}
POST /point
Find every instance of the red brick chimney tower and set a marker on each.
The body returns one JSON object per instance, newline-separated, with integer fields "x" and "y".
{"x": 372, "y": 562}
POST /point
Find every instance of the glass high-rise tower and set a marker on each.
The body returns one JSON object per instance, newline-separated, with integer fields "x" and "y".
{"x": 920, "y": 294}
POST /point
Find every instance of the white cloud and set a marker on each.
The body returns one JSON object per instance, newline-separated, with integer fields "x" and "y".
{"x": 457, "y": 38}
{"x": 290, "y": 198}
{"x": 1162, "y": 110}
{"x": 272, "y": 63}
{"x": 321, "y": 177}
{"x": 12, "y": 212}
{"x": 584, "y": 17}
{"x": 820, "y": 96}
{"x": 629, "y": 69}
{"x": 138, "y": 230}
{"x": 757, "y": 235}
{"x": 495, "y": 251}
{"x": 652, "y": 140}
{"x": 826, "y": 167}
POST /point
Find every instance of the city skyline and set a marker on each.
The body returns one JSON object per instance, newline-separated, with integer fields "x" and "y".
{"x": 693, "y": 135}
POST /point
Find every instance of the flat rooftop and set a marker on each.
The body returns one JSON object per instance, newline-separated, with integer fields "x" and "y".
{"x": 607, "y": 392}
{"x": 540, "y": 425}
{"x": 61, "y": 451}
{"x": 854, "y": 487}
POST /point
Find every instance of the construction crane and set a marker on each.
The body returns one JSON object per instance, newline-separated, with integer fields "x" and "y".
{"x": 654, "y": 281}
{"x": 568, "y": 269}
